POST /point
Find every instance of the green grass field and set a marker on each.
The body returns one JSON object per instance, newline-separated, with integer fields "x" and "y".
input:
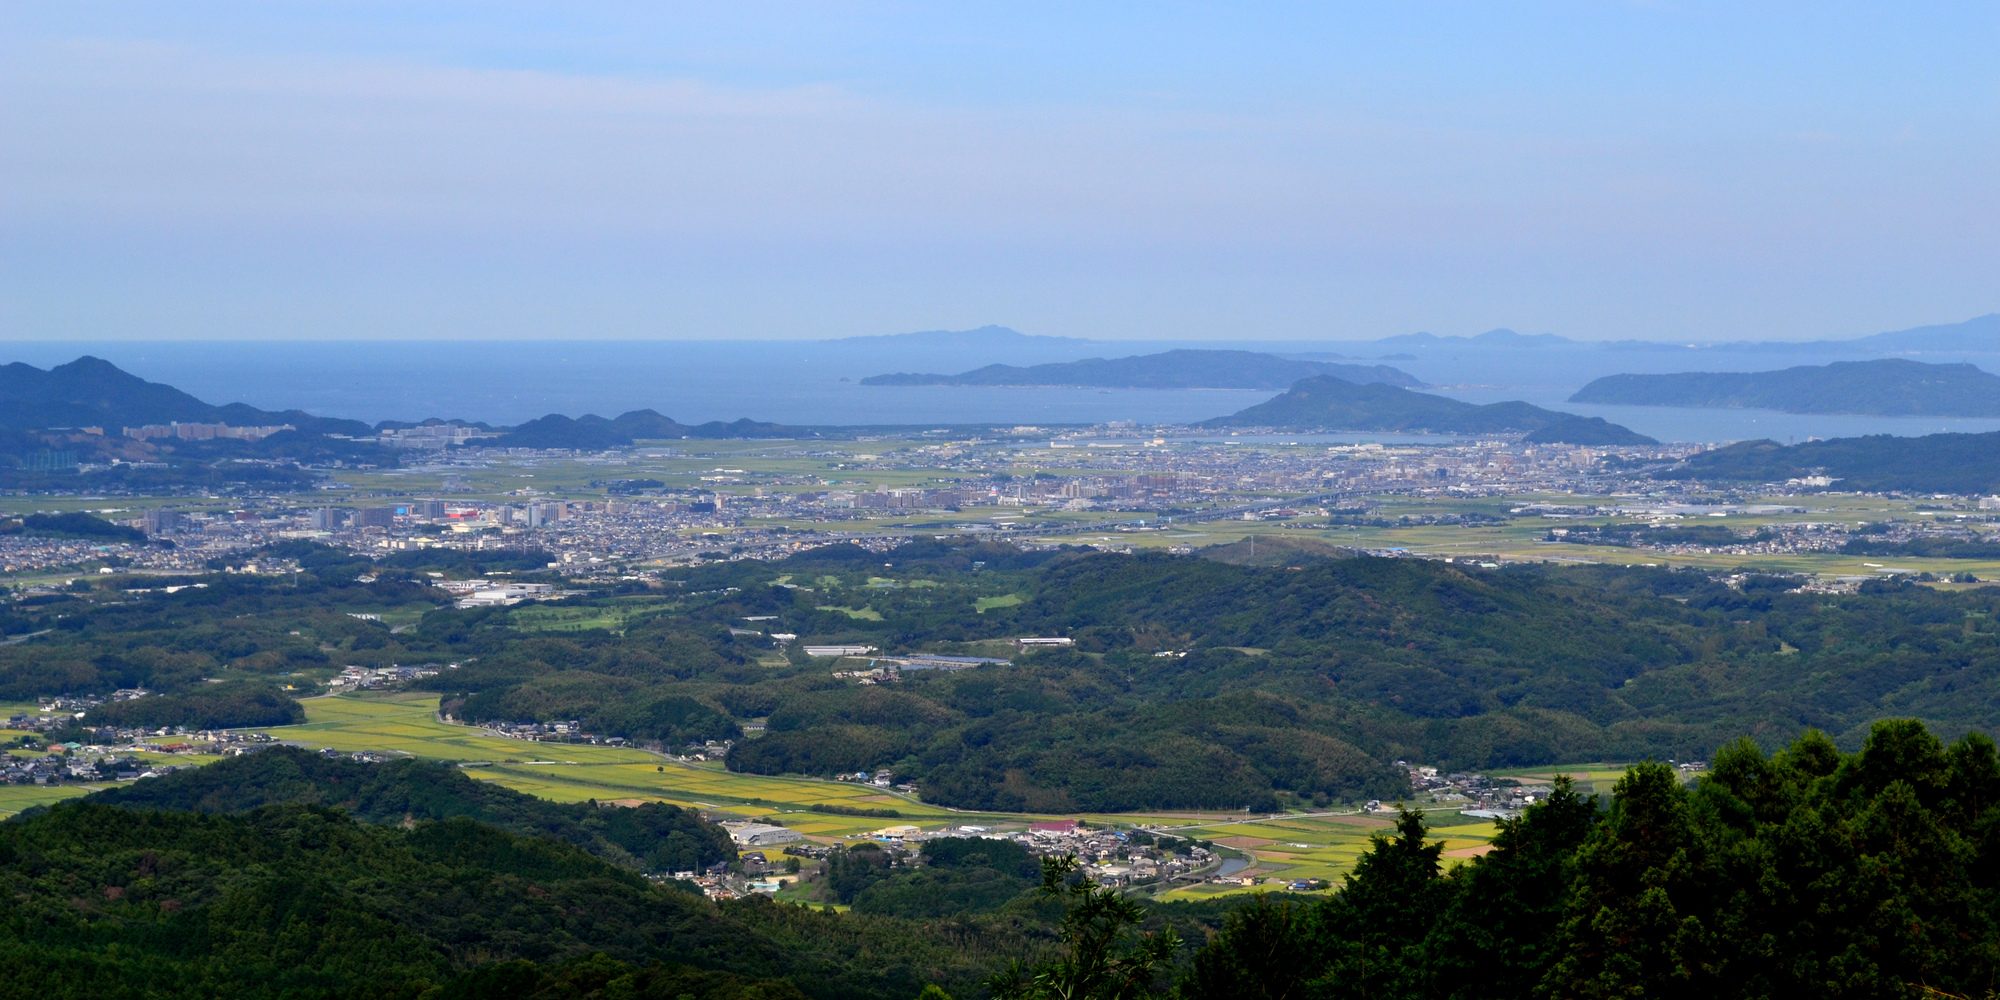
{"x": 862, "y": 613}
{"x": 1280, "y": 849}
{"x": 985, "y": 604}
{"x": 14, "y": 798}
{"x": 1591, "y": 779}
{"x": 1318, "y": 847}
{"x": 557, "y": 618}
{"x": 405, "y": 723}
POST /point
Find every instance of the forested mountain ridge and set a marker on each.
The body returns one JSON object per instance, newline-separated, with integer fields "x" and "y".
{"x": 1932, "y": 463}
{"x": 1808, "y": 872}
{"x": 1192, "y": 683}
{"x": 651, "y": 837}
{"x": 1883, "y": 387}
{"x": 297, "y": 901}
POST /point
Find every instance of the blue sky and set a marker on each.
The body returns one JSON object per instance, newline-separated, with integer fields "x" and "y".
{"x": 1672, "y": 170}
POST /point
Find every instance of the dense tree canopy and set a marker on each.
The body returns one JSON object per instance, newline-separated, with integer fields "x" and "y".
{"x": 1193, "y": 683}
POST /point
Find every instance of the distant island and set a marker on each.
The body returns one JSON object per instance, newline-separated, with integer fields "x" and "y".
{"x": 592, "y": 432}
{"x": 1178, "y": 369}
{"x": 1328, "y": 403}
{"x": 1934, "y": 463}
{"x": 1887, "y": 387}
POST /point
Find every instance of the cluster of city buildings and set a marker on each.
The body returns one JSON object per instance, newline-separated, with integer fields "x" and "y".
{"x": 178, "y": 431}
{"x": 93, "y": 754}
{"x": 356, "y": 678}
{"x": 1027, "y": 489}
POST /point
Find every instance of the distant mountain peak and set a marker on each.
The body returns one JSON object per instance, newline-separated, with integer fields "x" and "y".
{"x": 1327, "y": 403}
{"x": 91, "y": 391}
{"x": 1180, "y": 368}
{"x": 90, "y": 363}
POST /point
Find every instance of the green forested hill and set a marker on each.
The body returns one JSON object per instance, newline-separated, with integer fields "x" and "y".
{"x": 1932, "y": 463}
{"x": 1192, "y": 682}
{"x": 1307, "y": 681}
{"x": 653, "y": 837}
{"x": 1809, "y": 872}
{"x": 303, "y": 902}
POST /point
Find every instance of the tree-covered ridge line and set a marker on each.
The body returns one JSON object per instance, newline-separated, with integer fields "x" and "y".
{"x": 297, "y": 901}
{"x": 1283, "y": 684}
{"x": 650, "y": 837}
{"x": 1967, "y": 464}
{"x": 75, "y": 524}
{"x": 1808, "y": 872}
{"x": 285, "y": 873}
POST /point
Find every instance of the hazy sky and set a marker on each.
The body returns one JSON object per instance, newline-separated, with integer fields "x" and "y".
{"x": 1679, "y": 170}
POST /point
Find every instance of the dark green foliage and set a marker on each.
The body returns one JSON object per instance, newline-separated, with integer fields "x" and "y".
{"x": 1372, "y": 934}
{"x": 604, "y": 706}
{"x": 251, "y": 633}
{"x": 303, "y": 902}
{"x": 1592, "y": 431}
{"x": 652, "y": 837}
{"x": 1351, "y": 663}
{"x": 1647, "y": 534}
{"x": 1297, "y": 686}
{"x": 1497, "y": 932}
{"x": 1003, "y": 856}
{"x": 1633, "y": 920}
{"x": 1104, "y": 955}
{"x": 75, "y": 524}
{"x": 959, "y": 876}
{"x": 1802, "y": 874}
{"x": 1265, "y": 951}
{"x": 935, "y": 894}
{"x": 852, "y": 870}
{"x": 216, "y": 706}
{"x": 836, "y": 809}
{"x": 467, "y": 562}
{"x": 1923, "y": 548}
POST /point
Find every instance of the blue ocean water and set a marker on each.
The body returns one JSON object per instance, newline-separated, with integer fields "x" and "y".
{"x": 510, "y": 381}
{"x": 818, "y": 383}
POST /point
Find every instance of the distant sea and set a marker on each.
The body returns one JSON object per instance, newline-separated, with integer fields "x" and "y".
{"x": 818, "y": 383}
